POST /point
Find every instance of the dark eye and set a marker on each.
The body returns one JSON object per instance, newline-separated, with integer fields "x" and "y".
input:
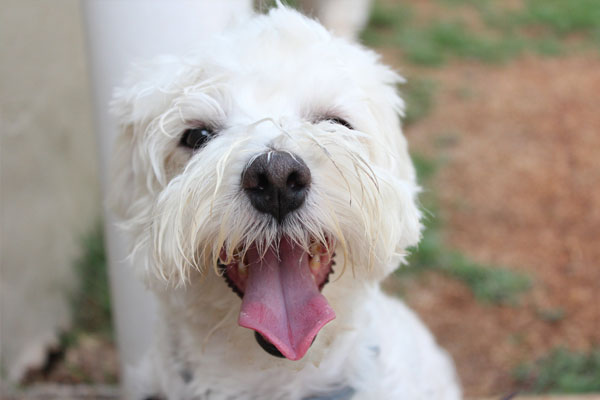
{"x": 196, "y": 137}
{"x": 339, "y": 121}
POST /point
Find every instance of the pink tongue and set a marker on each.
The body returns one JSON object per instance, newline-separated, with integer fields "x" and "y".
{"x": 282, "y": 302}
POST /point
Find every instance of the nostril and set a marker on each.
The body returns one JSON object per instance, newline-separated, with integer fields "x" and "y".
{"x": 263, "y": 182}
{"x": 292, "y": 181}
{"x": 298, "y": 180}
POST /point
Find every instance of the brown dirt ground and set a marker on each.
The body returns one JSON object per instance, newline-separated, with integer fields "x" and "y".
{"x": 519, "y": 188}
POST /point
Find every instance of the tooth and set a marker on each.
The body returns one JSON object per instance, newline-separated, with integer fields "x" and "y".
{"x": 315, "y": 263}
{"x": 316, "y": 248}
{"x": 242, "y": 269}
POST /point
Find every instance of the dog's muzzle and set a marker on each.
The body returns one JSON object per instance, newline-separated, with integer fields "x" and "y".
{"x": 280, "y": 285}
{"x": 276, "y": 183}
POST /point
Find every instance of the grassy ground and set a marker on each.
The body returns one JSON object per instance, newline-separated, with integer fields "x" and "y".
{"x": 483, "y": 30}
{"x": 91, "y": 302}
{"x": 491, "y": 284}
{"x": 562, "y": 371}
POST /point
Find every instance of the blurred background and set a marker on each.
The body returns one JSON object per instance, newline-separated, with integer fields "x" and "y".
{"x": 503, "y": 121}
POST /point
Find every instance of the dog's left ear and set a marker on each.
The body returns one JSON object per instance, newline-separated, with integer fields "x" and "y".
{"x": 388, "y": 108}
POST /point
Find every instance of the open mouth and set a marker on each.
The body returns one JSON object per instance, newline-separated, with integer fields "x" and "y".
{"x": 281, "y": 294}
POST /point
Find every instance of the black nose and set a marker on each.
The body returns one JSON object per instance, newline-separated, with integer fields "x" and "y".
{"x": 276, "y": 183}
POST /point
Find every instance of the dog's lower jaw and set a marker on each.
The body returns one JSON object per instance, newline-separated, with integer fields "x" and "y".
{"x": 201, "y": 348}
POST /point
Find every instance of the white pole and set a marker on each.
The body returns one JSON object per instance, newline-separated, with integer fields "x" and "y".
{"x": 119, "y": 31}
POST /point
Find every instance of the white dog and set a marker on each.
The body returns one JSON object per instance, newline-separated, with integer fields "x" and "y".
{"x": 267, "y": 186}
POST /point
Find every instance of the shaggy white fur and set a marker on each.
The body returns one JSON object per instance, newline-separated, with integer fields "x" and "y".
{"x": 277, "y": 83}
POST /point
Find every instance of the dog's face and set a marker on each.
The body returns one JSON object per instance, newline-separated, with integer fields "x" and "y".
{"x": 272, "y": 153}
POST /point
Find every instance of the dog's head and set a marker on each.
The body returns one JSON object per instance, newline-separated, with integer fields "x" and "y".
{"x": 270, "y": 154}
